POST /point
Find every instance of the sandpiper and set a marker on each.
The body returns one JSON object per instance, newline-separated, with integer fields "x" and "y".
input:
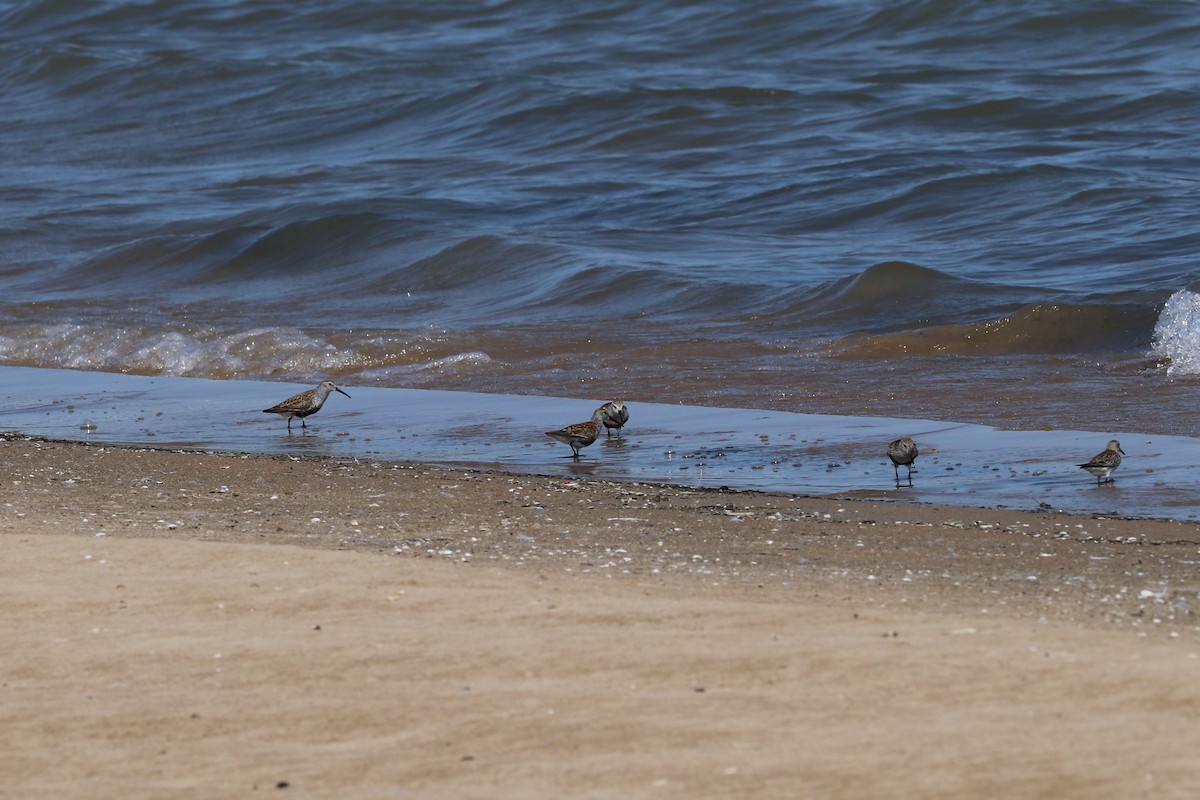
{"x": 581, "y": 434}
{"x": 615, "y": 415}
{"x": 903, "y": 451}
{"x": 1102, "y": 464}
{"x": 302, "y": 405}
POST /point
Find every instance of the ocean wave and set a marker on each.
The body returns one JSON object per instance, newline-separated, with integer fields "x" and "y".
{"x": 456, "y": 361}
{"x": 269, "y": 252}
{"x": 213, "y": 353}
{"x": 482, "y": 287}
{"x": 1039, "y": 329}
{"x": 893, "y": 295}
{"x": 893, "y": 281}
{"x": 171, "y": 352}
{"x": 325, "y": 244}
{"x": 493, "y": 265}
{"x": 1177, "y": 334}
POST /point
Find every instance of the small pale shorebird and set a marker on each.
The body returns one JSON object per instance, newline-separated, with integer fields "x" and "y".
{"x": 615, "y": 415}
{"x": 304, "y": 404}
{"x": 1102, "y": 464}
{"x": 581, "y": 434}
{"x": 903, "y": 452}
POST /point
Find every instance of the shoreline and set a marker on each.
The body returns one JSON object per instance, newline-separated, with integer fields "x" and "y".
{"x": 883, "y": 497}
{"x": 961, "y": 464}
{"x": 194, "y": 622}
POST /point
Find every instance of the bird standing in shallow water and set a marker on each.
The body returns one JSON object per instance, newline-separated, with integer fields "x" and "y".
{"x": 1102, "y": 464}
{"x": 581, "y": 434}
{"x": 615, "y": 415}
{"x": 903, "y": 452}
{"x": 304, "y": 404}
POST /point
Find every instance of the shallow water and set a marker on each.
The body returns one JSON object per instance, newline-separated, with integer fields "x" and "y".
{"x": 961, "y": 464}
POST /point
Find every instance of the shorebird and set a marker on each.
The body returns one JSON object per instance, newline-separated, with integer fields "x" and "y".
{"x": 615, "y": 415}
{"x": 903, "y": 451}
{"x": 1102, "y": 464}
{"x": 581, "y": 434}
{"x": 302, "y": 405}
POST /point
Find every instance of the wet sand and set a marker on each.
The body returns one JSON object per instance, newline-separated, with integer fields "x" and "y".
{"x": 201, "y": 625}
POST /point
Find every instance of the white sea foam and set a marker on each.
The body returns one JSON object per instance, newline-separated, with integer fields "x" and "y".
{"x": 1177, "y": 333}
{"x": 456, "y": 361}
{"x": 201, "y": 352}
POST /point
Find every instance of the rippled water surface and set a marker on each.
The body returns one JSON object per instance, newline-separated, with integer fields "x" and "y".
{"x": 962, "y": 211}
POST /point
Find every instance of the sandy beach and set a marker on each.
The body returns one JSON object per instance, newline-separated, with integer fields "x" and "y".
{"x": 207, "y": 625}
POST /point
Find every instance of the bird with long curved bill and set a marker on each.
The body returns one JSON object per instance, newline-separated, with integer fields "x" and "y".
{"x": 305, "y": 404}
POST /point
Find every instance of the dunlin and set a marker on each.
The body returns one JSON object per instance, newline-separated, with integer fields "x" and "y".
{"x": 1102, "y": 464}
{"x": 581, "y": 434}
{"x": 615, "y": 415}
{"x": 302, "y": 405}
{"x": 903, "y": 451}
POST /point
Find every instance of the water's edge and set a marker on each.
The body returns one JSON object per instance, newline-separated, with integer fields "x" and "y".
{"x": 688, "y": 446}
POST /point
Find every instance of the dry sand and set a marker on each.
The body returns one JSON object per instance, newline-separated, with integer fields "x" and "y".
{"x": 199, "y": 625}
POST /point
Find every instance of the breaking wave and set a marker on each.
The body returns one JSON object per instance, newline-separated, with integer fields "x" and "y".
{"x": 283, "y": 353}
{"x": 1177, "y": 333}
{"x": 1038, "y": 329}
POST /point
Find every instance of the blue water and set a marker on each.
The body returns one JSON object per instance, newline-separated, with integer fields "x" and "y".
{"x": 961, "y": 211}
